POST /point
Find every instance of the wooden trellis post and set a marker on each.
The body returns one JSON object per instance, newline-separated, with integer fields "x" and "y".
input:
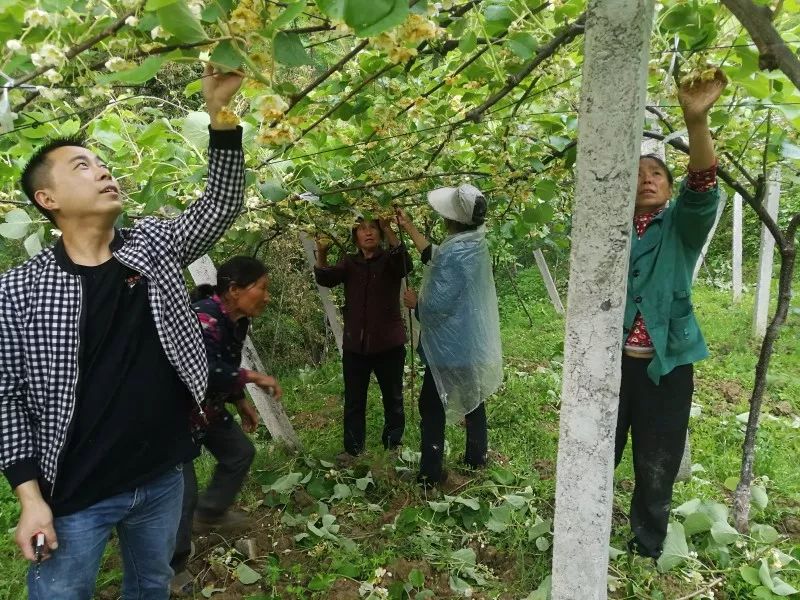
{"x": 552, "y": 291}
{"x": 765, "y": 256}
{"x": 331, "y": 312}
{"x": 613, "y": 93}
{"x": 270, "y": 409}
{"x": 737, "y": 248}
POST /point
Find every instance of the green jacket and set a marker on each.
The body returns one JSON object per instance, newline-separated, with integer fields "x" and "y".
{"x": 660, "y": 279}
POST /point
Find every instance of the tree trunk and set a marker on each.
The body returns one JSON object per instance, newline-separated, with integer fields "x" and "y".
{"x": 609, "y": 131}
{"x": 741, "y": 497}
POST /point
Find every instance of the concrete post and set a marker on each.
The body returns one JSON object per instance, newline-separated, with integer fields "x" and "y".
{"x": 720, "y": 209}
{"x": 611, "y": 119}
{"x": 737, "y": 248}
{"x": 270, "y": 410}
{"x": 765, "y": 256}
{"x": 552, "y": 291}
{"x": 331, "y": 312}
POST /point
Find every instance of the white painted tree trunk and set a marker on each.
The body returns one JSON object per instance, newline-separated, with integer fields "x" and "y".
{"x": 331, "y": 312}
{"x": 720, "y": 209}
{"x": 737, "y": 248}
{"x": 765, "y": 256}
{"x": 271, "y": 410}
{"x": 552, "y": 291}
{"x": 610, "y": 124}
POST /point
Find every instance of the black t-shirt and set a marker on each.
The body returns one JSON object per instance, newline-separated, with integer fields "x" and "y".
{"x": 131, "y": 419}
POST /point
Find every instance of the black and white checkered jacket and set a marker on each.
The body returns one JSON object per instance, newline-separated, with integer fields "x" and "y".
{"x": 41, "y": 308}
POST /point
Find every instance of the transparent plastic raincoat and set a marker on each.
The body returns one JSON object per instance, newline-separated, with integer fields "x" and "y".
{"x": 460, "y": 325}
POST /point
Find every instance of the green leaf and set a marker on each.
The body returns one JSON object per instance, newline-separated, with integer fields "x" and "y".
{"x": 614, "y": 554}
{"x": 416, "y": 578}
{"x": 546, "y": 188}
{"x": 195, "y": 128}
{"x": 292, "y": 11}
{"x": 439, "y": 507}
{"x": 524, "y": 45}
{"x": 465, "y": 556}
{"x": 32, "y": 244}
{"x": 177, "y": 19}
{"x": 543, "y": 591}
{"x": 539, "y": 528}
{"x": 698, "y": 522}
{"x": 273, "y": 190}
{"x": 140, "y": 74}
{"x": 332, "y": 8}
{"x": 675, "y": 550}
{"x": 731, "y": 482}
{"x": 227, "y": 55}
{"x": 539, "y": 214}
{"x": 364, "y": 482}
{"x": 759, "y": 493}
{"x": 246, "y": 575}
{"x": 321, "y": 582}
{"x": 764, "y": 534}
{"x": 341, "y": 491}
{"x": 723, "y": 533}
{"x": 16, "y": 225}
{"x": 370, "y": 17}
{"x": 156, "y": 4}
{"x": 468, "y": 42}
{"x": 750, "y": 575}
{"x": 542, "y": 543}
{"x": 499, "y": 13}
{"x": 289, "y": 50}
{"x": 210, "y": 590}
{"x": 469, "y": 502}
{"x": 502, "y": 475}
{"x": 286, "y": 484}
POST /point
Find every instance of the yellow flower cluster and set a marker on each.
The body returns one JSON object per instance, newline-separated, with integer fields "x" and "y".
{"x": 416, "y": 29}
{"x": 279, "y": 135}
{"x": 245, "y": 18}
{"x": 272, "y": 107}
{"x": 400, "y": 54}
{"x": 227, "y": 117}
{"x": 397, "y": 43}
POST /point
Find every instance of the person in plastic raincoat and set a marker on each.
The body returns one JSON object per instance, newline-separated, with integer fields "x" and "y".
{"x": 460, "y": 328}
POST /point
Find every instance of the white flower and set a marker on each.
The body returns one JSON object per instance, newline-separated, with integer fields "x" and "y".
{"x": 196, "y": 6}
{"x": 36, "y": 18}
{"x": 115, "y": 64}
{"x": 131, "y": 21}
{"x": 158, "y": 32}
{"x": 14, "y": 46}
{"x": 380, "y": 572}
{"x": 48, "y": 54}
{"x": 252, "y": 203}
{"x": 82, "y": 101}
{"x": 53, "y": 76}
{"x": 51, "y": 94}
{"x": 365, "y": 589}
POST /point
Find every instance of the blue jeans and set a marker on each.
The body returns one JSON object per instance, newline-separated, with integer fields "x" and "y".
{"x": 146, "y": 520}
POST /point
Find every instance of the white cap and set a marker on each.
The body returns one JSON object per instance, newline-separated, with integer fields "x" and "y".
{"x": 458, "y": 204}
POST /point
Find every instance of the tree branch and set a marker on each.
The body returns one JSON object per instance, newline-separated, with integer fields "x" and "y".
{"x": 773, "y": 51}
{"x": 83, "y": 46}
{"x": 566, "y": 36}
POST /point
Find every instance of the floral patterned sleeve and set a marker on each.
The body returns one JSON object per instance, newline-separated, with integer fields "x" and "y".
{"x": 704, "y": 180}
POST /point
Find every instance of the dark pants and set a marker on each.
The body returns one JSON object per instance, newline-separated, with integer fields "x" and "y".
{"x": 234, "y": 453}
{"x": 388, "y": 369}
{"x": 432, "y": 423}
{"x": 657, "y": 417}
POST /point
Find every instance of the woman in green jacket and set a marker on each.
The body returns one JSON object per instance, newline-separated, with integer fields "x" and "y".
{"x": 661, "y": 335}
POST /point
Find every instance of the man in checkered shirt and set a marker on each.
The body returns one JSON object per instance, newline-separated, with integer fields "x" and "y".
{"x": 101, "y": 363}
